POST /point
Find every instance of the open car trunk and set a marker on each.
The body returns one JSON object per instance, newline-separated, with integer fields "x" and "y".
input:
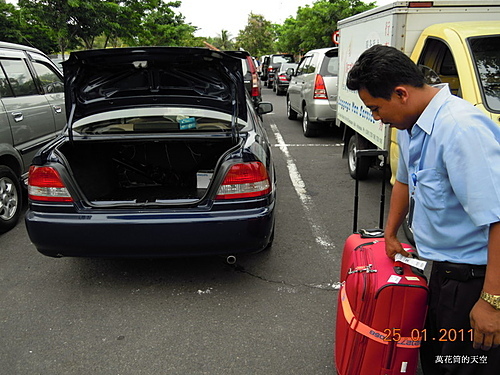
{"x": 142, "y": 172}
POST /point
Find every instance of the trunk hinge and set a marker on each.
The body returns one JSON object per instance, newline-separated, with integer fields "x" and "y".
{"x": 70, "y": 123}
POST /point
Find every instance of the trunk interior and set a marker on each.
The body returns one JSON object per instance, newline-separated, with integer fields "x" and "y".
{"x": 146, "y": 171}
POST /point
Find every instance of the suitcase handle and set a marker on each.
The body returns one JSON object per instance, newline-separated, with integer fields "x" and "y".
{"x": 367, "y": 153}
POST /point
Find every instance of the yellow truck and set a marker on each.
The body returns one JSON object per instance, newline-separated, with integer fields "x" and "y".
{"x": 457, "y": 42}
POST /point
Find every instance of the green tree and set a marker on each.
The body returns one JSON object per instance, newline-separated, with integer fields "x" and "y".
{"x": 161, "y": 26}
{"x": 257, "y": 37}
{"x": 55, "y": 15}
{"x": 313, "y": 26}
{"x": 223, "y": 41}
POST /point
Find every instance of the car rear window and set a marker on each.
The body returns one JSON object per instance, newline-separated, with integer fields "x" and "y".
{"x": 163, "y": 121}
{"x": 330, "y": 66}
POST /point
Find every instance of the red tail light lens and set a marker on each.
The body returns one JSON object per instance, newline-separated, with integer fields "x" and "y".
{"x": 255, "y": 85}
{"x": 283, "y": 78}
{"x": 320, "y": 88}
{"x": 45, "y": 184}
{"x": 245, "y": 180}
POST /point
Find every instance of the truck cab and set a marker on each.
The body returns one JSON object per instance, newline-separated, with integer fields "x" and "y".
{"x": 466, "y": 55}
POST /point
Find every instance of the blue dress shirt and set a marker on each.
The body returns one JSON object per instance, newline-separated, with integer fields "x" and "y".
{"x": 451, "y": 161}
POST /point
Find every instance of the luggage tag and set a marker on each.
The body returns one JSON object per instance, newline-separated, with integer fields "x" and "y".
{"x": 417, "y": 263}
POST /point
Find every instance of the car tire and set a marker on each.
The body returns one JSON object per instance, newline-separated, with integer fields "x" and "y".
{"x": 358, "y": 169}
{"x": 10, "y": 199}
{"x": 306, "y": 124}
{"x": 290, "y": 113}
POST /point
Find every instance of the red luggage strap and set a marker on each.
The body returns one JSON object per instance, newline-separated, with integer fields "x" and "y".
{"x": 371, "y": 333}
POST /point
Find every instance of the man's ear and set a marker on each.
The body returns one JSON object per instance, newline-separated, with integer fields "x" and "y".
{"x": 401, "y": 93}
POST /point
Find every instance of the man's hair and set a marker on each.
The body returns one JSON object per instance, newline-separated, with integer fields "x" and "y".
{"x": 382, "y": 68}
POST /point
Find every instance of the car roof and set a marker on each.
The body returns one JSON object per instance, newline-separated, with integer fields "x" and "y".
{"x": 19, "y": 47}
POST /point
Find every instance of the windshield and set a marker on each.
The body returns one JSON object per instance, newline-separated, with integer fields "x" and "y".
{"x": 282, "y": 59}
{"x": 156, "y": 120}
{"x": 486, "y": 56}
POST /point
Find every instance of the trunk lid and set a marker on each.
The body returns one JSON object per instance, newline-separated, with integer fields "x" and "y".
{"x": 98, "y": 81}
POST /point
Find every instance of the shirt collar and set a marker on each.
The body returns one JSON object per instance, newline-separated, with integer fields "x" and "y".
{"x": 426, "y": 119}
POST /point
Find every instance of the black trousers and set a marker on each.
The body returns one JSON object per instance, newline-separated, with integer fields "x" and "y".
{"x": 447, "y": 343}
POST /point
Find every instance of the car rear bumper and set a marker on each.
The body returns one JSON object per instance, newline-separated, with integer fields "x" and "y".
{"x": 321, "y": 111}
{"x": 148, "y": 235}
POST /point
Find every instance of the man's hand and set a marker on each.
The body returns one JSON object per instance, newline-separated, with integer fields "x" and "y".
{"x": 393, "y": 246}
{"x": 485, "y": 320}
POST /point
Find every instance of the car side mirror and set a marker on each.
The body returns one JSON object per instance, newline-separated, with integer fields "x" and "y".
{"x": 264, "y": 107}
{"x": 290, "y": 72}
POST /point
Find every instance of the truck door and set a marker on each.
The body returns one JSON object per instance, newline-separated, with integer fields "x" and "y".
{"x": 437, "y": 57}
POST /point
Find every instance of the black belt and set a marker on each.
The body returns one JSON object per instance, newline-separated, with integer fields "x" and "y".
{"x": 460, "y": 271}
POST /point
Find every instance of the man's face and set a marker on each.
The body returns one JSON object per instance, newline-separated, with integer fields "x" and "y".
{"x": 393, "y": 112}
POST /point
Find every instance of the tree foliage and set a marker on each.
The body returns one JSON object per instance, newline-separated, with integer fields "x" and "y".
{"x": 313, "y": 26}
{"x": 258, "y": 36}
{"x": 59, "y": 25}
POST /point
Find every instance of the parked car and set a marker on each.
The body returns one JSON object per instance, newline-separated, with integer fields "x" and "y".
{"x": 282, "y": 79}
{"x": 164, "y": 155}
{"x": 312, "y": 92}
{"x": 272, "y": 63}
{"x": 31, "y": 115}
{"x": 251, "y": 77}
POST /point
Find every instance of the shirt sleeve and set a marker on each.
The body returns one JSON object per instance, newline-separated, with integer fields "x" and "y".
{"x": 403, "y": 144}
{"x": 473, "y": 164}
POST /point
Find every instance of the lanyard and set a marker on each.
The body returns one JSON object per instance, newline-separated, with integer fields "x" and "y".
{"x": 414, "y": 155}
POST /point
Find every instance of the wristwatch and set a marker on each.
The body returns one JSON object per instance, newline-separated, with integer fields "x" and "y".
{"x": 492, "y": 299}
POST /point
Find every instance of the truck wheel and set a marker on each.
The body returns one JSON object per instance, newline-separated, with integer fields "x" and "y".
{"x": 306, "y": 124}
{"x": 360, "y": 169}
{"x": 10, "y": 199}
{"x": 290, "y": 113}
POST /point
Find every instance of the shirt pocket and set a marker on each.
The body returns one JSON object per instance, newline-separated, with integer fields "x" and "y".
{"x": 430, "y": 189}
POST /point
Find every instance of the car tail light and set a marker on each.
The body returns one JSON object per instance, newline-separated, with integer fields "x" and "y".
{"x": 45, "y": 184}
{"x": 320, "y": 88}
{"x": 255, "y": 85}
{"x": 245, "y": 180}
{"x": 283, "y": 78}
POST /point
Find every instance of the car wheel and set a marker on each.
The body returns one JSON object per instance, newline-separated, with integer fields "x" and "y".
{"x": 10, "y": 199}
{"x": 290, "y": 113}
{"x": 357, "y": 168}
{"x": 306, "y": 124}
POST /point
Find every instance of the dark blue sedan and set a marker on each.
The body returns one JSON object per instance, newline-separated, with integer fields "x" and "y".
{"x": 164, "y": 155}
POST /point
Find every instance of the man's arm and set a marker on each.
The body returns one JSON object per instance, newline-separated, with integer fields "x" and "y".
{"x": 397, "y": 213}
{"x": 485, "y": 320}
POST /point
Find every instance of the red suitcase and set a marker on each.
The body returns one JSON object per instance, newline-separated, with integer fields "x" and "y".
{"x": 381, "y": 308}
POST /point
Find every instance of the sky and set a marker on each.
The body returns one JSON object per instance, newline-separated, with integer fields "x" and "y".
{"x": 213, "y": 16}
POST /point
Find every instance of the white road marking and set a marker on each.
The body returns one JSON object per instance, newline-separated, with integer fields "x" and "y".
{"x": 318, "y": 231}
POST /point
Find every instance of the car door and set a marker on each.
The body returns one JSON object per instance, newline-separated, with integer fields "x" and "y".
{"x": 29, "y": 113}
{"x": 297, "y": 84}
{"x": 51, "y": 83}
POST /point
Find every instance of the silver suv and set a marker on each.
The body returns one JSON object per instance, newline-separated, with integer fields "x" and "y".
{"x": 312, "y": 92}
{"x": 32, "y": 113}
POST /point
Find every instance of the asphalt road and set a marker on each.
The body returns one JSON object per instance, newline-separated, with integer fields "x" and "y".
{"x": 270, "y": 313}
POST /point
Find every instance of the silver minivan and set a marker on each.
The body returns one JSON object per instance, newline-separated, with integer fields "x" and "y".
{"x": 32, "y": 113}
{"x": 312, "y": 92}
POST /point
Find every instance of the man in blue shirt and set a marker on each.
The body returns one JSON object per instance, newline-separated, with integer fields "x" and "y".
{"x": 448, "y": 180}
